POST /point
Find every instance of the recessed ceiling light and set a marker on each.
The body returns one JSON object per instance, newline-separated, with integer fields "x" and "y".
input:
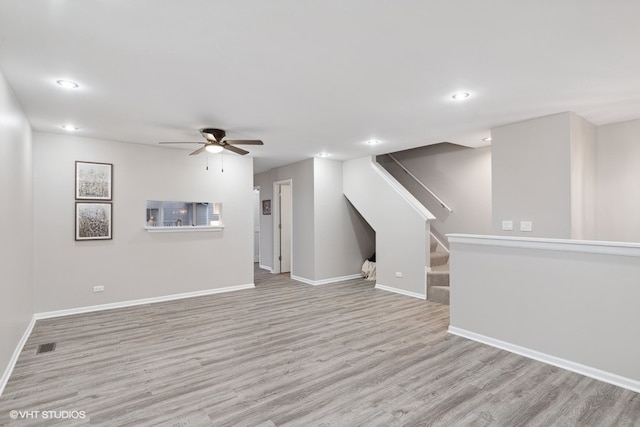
{"x": 487, "y": 139}
{"x": 213, "y": 148}
{"x": 460, "y": 96}
{"x": 323, "y": 154}
{"x": 374, "y": 142}
{"x": 67, "y": 84}
{"x": 68, "y": 127}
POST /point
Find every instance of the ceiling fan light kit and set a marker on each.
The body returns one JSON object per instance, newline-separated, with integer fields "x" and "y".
{"x": 213, "y": 148}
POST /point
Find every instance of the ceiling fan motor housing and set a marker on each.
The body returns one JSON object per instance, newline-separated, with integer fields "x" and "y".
{"x": 217, "y": 134}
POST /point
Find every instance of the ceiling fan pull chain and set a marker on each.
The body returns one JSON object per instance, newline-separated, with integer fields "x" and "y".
{"x": 222, "y": 162}
{"x": 207, "y": 168}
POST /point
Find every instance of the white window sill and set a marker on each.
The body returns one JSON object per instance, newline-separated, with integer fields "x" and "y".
{"x": 182, "y": 229}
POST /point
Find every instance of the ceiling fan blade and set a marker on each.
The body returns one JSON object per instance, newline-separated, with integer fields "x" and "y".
{"x": 198, "y": 151}
{"x": 244, "y": 141}
{"x": 235, "y": 149}
{"x": 179, "y": 142}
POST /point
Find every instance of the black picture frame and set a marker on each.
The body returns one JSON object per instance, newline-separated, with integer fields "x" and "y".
{"x": 94, "y": 221}
{"x": 266, "y": 207}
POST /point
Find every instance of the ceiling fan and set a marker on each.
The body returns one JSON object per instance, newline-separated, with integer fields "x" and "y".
{"x": 215, "y": 142}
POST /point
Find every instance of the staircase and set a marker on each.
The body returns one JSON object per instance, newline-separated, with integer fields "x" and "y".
{"x": 438, "y": 277}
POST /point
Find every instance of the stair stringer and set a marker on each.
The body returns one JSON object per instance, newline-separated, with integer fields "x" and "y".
{"x": 400, "y": 221}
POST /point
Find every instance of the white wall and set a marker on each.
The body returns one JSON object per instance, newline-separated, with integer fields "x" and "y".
{"x": 583, "y": 178}
{"x": 401, "y": 226}
{"x": 343, "y": 240}
{"x": 16, "y": 226}
{"x": 137, "y": 264}
{"x": 531, "y": 176}
{"x": 618, "y": 172}
{"x": 565, "y": 302}
{"x": 460, "y": 176}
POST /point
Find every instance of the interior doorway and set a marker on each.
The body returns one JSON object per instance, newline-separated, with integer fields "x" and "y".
{"x": 282, "y": 230}
{"x": 256, "y": 224}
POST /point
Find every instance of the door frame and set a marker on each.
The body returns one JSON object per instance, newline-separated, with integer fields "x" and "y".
{"x": 275, "y": 210}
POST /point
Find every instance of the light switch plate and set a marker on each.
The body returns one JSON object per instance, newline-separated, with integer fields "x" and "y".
{"x": 507, "y": 225}
{"x": 526, "y": 226}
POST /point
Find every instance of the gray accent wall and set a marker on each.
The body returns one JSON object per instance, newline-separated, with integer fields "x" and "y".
{"x": 618, "y": 184}
{"x": 531, "y": 176}
{"x": 137, "y": 264}
{"x": 330, "y": 239}
{"x": 16, "y": 226}
{"x": 460, "y": 176}
{"x": 302, "y": 245}
{"x": 343, "y": 239}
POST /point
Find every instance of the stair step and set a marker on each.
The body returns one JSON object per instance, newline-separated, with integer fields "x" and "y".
{"x": 433, "y": 245}
{"x": 439, "y": 294}
{"x": 439, "y": 258}
{"x": 438, "y": 277}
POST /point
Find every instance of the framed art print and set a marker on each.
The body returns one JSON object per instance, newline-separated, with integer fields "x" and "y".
{"x": 266, "y": 207}
{"x": 93, "y": 221}
{"x": 94, "y": 181}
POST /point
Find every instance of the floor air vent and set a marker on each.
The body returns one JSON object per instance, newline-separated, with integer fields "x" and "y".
{"x": 46, "y": 348}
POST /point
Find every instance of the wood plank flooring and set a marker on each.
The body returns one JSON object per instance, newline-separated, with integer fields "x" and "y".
{"x": 290, "y": 354}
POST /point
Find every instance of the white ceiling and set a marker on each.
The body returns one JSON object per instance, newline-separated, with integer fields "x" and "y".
{"x": 310, "y": 76}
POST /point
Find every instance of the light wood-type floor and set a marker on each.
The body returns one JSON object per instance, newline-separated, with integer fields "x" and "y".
{"x": 290, "y": 354}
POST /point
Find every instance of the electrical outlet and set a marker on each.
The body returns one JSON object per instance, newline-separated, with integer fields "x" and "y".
{"x": 98, "y": 289}
{"x": 526, "y": 226}
{"x": 507, "y": 225}
{"x": 398, "y": 274}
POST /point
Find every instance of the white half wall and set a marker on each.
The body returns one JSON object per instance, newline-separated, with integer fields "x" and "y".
{"x": 566, "y": 302}
{"x": 16, "y": 228}
{"x": 137, "y": 264}
{"x": 400, "y": 222}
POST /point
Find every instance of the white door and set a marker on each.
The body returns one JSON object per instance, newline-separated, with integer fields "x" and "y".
{"x": 285, "y": 228}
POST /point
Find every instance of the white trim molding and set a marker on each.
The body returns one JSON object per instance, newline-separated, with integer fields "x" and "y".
{"x": 326, "y": 281}
{"x": 588, "y": 371}
{"x": 68, "y": 312}
{"x": 16, "y": 354}
{"x": 131, "y": 303}
{"x": 401, "y": 291}
{"x": 184, "y": 229}
{"x": 564, "y": 245}
{"x": 266, "y": 267}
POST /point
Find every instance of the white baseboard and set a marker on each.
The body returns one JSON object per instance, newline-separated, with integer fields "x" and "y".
{"x": 401, "y": 291}
{"x": 265, "y": 267}
{"x": 122, "y": 304}
{"x": 16, "y": 354}
{"x": 569, "y": 365}
{"x": 326, "y": 281}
